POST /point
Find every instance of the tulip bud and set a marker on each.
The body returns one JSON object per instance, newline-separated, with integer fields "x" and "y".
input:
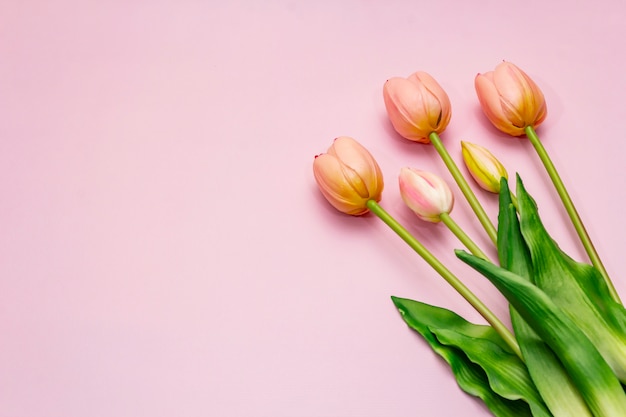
{"x": 510, "y": 99}
{"x": 425, "y": 193}
{"x": 483, "y": 166}
{"x": 348, "y": 176}
{"x": 417, "y": 106}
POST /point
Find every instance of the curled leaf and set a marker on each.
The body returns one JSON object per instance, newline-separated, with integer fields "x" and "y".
{"x": 481, "y": 361}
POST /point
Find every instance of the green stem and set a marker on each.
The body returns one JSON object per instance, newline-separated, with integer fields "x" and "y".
{"x": 462, "y": 236}
{"x": 571, "y": 210}
{"x": 465, "y": 188}
{"x": 465, "y": 292}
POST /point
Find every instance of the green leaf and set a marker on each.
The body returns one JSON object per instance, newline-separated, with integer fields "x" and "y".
{"x": 577, "y": 288}
{"x": 482, "y": 363}
{"x": 513, "y": 253}
{"x": 545, "y": 369}
{"x": 587, "y": 368}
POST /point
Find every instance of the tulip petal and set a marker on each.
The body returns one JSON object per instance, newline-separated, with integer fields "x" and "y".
{"x": 331, "y": 180}
{"x": 490, "y": 102}
{"x": 356, "y": 159}
{"x": 436, "y": 101}
{"x": 514, "y": 93}
{"x": 532, "y": 107}
{"x": 403, "y": 100}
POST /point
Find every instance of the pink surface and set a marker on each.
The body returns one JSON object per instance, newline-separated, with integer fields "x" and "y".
{"x": 164, "y": 250}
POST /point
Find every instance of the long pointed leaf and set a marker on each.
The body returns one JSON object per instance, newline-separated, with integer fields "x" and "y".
{"x": 577, "y": 288}
{"x": 546, "y": 371}
{"x": 513, "y": 253}
{"x": 589, "y": 371}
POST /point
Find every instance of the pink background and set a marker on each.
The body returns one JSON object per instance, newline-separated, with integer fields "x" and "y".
{"x": 164, "y": 250}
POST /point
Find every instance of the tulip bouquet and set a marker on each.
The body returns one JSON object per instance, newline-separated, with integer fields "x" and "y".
{"x": 566, "y": 354}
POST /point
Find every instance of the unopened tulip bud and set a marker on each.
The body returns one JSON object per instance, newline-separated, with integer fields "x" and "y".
{"x": 417, "y": 106}
{"x": 348, "y": 176}
{"x": 426, "y": 194}
{"x": 483, "y": 166}
{"x": 510, "y": 99}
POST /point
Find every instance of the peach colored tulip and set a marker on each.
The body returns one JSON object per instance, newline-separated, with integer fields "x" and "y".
{"x": 483, "y": 166}
{"x": 510, "y": 99}
{"x": 348, "y": 176}
{"x": 417, "y": 106}
{"x": 425, "y": 193}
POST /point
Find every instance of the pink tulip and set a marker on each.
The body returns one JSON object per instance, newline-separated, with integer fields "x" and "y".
{"x": 348, "y": 176}
{"x": 417, "y": 106}
{"x": 510, "y": 99}
{"x": 426, "y": 194}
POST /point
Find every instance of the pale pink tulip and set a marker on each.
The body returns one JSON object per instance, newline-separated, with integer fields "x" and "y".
{"x": 417, "y": 106}
{"x": 510, "y": 99}
{"x": 348, "y": 176}
{"x": 425, "y": 193}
